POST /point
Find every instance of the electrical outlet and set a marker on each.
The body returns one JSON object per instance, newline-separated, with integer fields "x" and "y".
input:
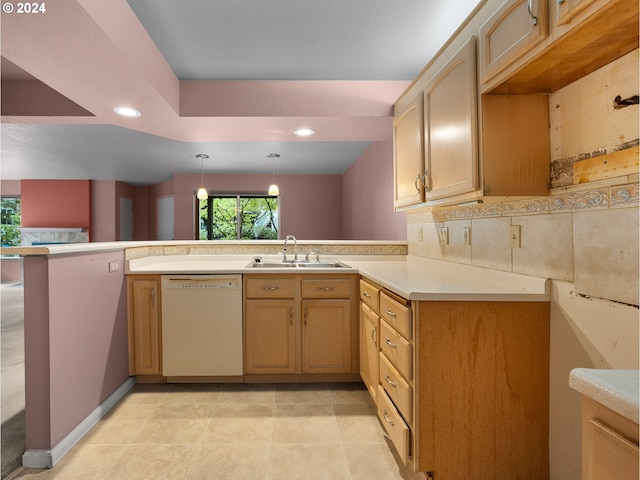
{"x": 114, "y": 267}
{"x": 466, "y": 235}
{"x": 420, "y": 235}
{"x": 514, "y": 236}
{"x": 443, "y": 235}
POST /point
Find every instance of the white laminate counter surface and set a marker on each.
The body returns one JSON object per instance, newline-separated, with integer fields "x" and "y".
{"x": 414, "y": 278}
{"x": 615, "y": 389}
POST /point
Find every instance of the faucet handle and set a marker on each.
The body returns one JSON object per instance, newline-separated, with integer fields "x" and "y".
{"x": 316, "y": 252}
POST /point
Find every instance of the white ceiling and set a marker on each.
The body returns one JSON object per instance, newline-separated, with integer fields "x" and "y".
{"x": 333, "y": 65}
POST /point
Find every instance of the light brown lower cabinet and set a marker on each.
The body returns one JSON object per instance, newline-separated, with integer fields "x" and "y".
{"x": 369, "y": 349}
{"x": 481, "y": 376}
{"x": 143, "y": 297}
{"x": 463, "y": 388}
{"x": 609, "y": 444}
{"x": 269, "y": 336}
{"x": 301, "y": 324}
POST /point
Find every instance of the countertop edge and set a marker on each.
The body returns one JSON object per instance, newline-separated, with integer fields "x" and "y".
{"x": 615, "y": 389}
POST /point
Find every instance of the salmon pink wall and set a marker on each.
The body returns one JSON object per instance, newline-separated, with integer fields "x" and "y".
{"x": 56, "y": 203}
{"x": 367, "y": 197}
{"x": 310, "y": 205}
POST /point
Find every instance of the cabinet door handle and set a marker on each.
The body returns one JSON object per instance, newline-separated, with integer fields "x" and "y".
{"x": 305, "y": 316}
{"x": 389, "y": 312}
{"x": 153, "y": 296}
{"x": 424, "y": 180}
{"x": 326, "y": 289}
{"x": 373, "y": 333}
{"x": 390, "y": 343}
{"x": 387, "y": 419}
{"x": 386, "y": 377}
{"x": 366, "y": 294}
{"x": 416, "y": 183}
{"x": 270, "y": 288}
{"x": 535, "y": 19}
{"x": 290, "y": 315}
{"x": 560, "y": 2}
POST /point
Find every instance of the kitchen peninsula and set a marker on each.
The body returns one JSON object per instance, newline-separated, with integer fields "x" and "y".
{"x": 476, "y": 335}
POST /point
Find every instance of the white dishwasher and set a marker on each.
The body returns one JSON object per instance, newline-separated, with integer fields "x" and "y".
{"x": 201, "y": 325}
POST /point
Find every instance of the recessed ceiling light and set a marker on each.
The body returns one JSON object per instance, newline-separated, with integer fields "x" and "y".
{"x": 127, "y": 111}
{"x": 304, "y": 132}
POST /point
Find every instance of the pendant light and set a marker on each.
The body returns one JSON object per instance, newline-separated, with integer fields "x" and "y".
{"x": 273, "y": 188}
{"x": 202, "y": 192}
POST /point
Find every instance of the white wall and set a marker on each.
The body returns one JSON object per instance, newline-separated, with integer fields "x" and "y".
{"x": 583, "y": 237}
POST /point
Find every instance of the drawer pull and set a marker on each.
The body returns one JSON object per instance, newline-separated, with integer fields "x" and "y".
{"x": 533, "y": 17}
{"x": 326, "y": 289}
{"x": 386, "y": 377}
{"x": 270, "y": 288}
{"x": 373, "y": 333}
{"x": 387, "y": 419}
{"x": 366, "y": 294}
{"x": 390, "y": 343}
{"x": 389, "y": 312}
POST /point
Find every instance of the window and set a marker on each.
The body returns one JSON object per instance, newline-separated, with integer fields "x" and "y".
{"x": 10, "y": 221}
{"x": 238, "y": 217}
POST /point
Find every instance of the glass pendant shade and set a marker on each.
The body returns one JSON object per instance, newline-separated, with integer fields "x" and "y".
{"x": 202, "y": 193}
{"x": 273, "y": 189}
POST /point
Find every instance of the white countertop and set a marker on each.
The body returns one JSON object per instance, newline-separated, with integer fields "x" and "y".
{"x": 615, "y": 389}
{"x": 414, "y": 278}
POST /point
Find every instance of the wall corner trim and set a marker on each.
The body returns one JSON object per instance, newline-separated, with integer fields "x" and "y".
{"x": 49, "y": 458}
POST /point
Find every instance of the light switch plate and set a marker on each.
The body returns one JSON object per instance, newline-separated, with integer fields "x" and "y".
{"x": 443, "y": 235}
{"x": 514, "y": 236}
{"x": 466, "y": 235}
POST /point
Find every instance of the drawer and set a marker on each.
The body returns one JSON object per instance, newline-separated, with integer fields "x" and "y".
{"x": 397, "y": 387}
{"x": 326, "y": 288}
{"x": 397, "y": 349}
{"x": 370, "y": 295}
{"x": 396, "y": 314}
{"x": 270, "y": 288}
{"x": 395, "y": 427}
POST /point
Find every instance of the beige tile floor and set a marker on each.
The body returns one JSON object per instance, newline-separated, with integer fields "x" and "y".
{"x": 234, "y": 432}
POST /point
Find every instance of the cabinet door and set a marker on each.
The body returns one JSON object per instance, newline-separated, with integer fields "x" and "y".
{"x": 408, "y": 154}
{"x": 326, "y": 336}
{"x": 144, "y": 326}
{"x": 369, "y": 348}
{"x": 567, "y": 9}
{"x": 451, "y": 119}
{"x": 269, "y": 337}
{"x": 514, "y": 29}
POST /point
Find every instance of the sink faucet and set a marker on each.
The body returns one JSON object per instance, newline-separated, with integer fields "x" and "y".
{"x": 295, "y": 248}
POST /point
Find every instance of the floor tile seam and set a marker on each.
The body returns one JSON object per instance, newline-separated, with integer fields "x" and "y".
{"x": 107, "y": 474}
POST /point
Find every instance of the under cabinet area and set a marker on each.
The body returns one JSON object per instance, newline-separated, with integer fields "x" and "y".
{"x": 301, "y": 324}
{"x": 453, "y": 372}
{"x": 143, "y": 298}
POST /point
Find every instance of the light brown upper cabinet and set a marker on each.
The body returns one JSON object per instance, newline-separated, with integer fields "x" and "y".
{"x": 408, "y": 153}
{"x": 567, "y": 9}
{"x": 451, "y": 129}
{"x": 514, "y": 29}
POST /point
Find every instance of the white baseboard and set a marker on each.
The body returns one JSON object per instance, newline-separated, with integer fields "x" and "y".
{"x": 48, "y": 458}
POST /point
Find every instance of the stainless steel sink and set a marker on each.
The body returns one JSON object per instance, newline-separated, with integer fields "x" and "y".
{"x": 297, "y": 265}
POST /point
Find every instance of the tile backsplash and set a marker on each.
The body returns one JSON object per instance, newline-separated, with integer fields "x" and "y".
{"x": 586, "y": 234}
